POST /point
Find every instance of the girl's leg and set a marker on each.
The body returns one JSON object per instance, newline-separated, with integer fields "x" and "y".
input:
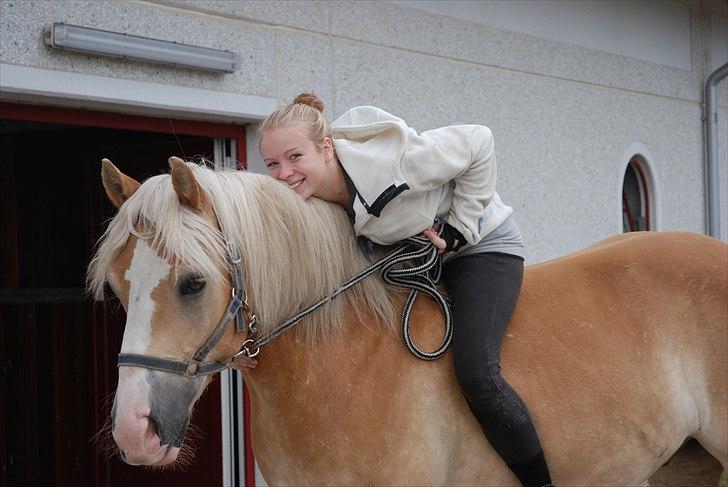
{"x": 484, "y": 289}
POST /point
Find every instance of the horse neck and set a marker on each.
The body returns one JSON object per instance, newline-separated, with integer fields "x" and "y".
{"x": 320, "y": 404}
{"x": 293, "y": 375}
{"x": 290, "y": 371}
{"x": 291, "y": 362}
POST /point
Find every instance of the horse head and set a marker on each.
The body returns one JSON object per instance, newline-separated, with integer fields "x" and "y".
{"x": 174, "y": 254}
{"x": 173, "y": 303}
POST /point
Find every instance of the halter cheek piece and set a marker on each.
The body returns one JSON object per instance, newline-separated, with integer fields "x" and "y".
{"x": 238, "y": 310}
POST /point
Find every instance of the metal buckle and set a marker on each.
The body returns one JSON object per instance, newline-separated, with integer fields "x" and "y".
{"x": 253, "y": 324}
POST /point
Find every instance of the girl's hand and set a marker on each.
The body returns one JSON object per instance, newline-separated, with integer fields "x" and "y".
{"x": 431, "y": 233}
{"x": 243, "y": 363}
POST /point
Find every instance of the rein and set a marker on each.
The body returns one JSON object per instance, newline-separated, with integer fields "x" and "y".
{"x": 421, "y": 276}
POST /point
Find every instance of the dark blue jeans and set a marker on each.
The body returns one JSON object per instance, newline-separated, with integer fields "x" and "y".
{"x": 484, "y": 289}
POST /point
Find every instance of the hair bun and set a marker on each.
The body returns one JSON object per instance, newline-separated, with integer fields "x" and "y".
{"x": 310, "y": 99}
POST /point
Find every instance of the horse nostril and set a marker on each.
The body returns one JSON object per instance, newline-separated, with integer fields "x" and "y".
{"x": 168, "y": 432}
{"x": 154, "y": 427}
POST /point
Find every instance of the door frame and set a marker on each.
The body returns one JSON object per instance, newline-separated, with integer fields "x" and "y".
{"x": 93, "y": 118}
{"x": 230, "y": 139}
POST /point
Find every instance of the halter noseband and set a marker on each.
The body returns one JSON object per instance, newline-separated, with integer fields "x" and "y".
{"x": 238, "y": 310}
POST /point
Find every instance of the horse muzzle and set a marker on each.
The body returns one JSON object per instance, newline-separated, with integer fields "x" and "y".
{"x": 139, "y": 443}
{"x": 150, "y": 415}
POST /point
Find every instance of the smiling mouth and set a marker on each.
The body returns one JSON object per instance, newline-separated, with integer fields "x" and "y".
{"x": 296, "y": 184}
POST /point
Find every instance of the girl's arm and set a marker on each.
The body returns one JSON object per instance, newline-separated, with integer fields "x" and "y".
{"x": 461, "y": 153}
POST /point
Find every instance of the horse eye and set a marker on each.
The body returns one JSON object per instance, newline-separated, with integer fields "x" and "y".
{"x": 191, "y": 285}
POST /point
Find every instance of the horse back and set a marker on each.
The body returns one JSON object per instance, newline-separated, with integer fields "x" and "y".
{"x": 665, "y": 291}
{"x": 628, "y": 335}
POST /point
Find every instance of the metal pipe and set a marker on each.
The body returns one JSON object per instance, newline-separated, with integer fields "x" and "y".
{"x": 711, "y": 141}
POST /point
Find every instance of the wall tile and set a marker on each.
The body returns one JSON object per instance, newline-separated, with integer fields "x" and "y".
{"x": 392, "y": 25}
{"x": 302, "y": 14}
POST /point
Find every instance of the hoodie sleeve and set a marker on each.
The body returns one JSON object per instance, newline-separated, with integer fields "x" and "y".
{"x": 460, "y": 153}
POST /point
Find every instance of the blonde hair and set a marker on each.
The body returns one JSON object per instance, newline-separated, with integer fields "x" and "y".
{"x": 305, "y": 109}
{"x": 294, "y": 251}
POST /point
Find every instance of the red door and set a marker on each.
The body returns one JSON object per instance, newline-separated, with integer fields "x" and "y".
{"x": 59, "y": 347}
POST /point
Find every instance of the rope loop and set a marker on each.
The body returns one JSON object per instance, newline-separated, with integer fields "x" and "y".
{"x": 420, "y": 271}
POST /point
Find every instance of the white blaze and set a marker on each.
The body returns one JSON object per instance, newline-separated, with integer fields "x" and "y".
{"x": 147, "y": 270}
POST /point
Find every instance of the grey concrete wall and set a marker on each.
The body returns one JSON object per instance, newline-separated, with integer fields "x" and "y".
{"x": 562, "y": 115}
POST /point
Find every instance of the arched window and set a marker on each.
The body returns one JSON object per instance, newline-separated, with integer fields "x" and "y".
{"x": 636, "y": 197}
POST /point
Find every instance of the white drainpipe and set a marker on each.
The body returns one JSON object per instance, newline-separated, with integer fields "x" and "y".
{"x": 711, "y": 141}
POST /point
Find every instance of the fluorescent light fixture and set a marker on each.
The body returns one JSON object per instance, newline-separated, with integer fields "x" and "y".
{"x": 75, "y": 38}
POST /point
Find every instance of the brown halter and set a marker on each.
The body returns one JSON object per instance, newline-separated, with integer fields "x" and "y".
{"x": 238, "y": 310}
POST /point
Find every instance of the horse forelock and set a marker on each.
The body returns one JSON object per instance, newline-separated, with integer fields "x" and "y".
{"x": 294, "y": 251}
{"x": 154, "y": 215}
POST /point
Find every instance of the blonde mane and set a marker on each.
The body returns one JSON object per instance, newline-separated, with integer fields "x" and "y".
{"x": 294, "y": 252}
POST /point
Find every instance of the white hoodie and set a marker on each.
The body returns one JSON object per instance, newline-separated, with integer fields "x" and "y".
{"x": 405, "y": 180}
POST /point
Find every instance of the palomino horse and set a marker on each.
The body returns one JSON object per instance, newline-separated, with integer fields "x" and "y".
{"x": 619, "y": 350}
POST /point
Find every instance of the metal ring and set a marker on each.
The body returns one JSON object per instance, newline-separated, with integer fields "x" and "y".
{"x": 244, "y": 350}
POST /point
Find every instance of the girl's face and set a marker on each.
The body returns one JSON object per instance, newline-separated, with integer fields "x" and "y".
{"x": 293, "y": 158}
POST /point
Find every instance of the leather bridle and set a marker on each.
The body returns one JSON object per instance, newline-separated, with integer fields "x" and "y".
{"x": 420, "y": 273}
{"x": 238, "y": 311}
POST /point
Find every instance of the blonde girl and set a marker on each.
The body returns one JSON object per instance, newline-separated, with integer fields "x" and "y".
{"x": 395, "y": 183}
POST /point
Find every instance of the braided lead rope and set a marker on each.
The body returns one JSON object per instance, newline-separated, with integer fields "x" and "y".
{"x": 416, "y": 275}
{"x": 421, "y": 278}
{"x": 283, "y": 327}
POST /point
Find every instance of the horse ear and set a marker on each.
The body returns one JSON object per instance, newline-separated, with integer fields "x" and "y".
{"x": 185, "y": 185}
{"x": 119, "y": 187}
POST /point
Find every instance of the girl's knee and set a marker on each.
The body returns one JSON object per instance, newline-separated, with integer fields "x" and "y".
{"x": 480, "y": 381}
